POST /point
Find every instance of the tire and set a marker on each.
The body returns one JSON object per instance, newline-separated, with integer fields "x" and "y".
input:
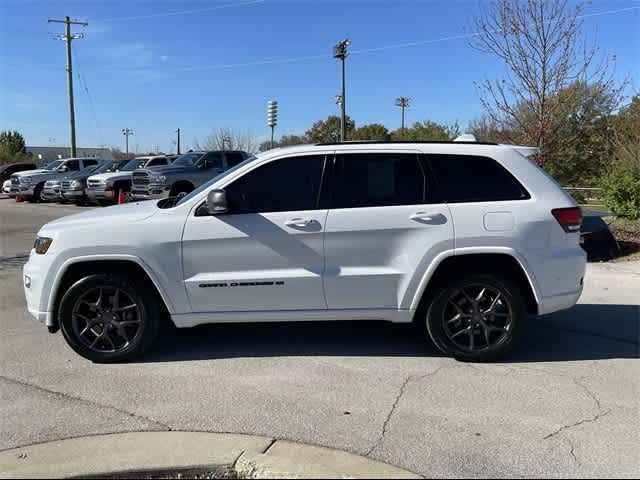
{"x": 484, "y": 331}
{"x": 105, "y": 203}
{"x": 98, "y": 327}
{"x": 37, "y": 194}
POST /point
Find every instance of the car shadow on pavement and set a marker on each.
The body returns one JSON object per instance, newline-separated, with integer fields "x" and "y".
{"x": 585, "y": 332}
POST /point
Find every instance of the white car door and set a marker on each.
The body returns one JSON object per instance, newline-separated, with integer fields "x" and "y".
{"x": 266, "y": 253}
{"x": 382, "y": 230}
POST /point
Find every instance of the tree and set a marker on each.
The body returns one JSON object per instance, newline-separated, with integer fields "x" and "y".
{"x": 328, "y": 131}
{"x": 12, "y": 142}
{"x": 538, "y": 41}
{"x": 426, "y": 131}
{"x": 284, "y": 141}
{"x": 229, "y": 139}
{"x": 626, "y": 128}
{"x": 372, "y": 131}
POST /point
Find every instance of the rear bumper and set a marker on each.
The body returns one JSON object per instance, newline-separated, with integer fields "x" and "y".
{"x": 559, "y": 302}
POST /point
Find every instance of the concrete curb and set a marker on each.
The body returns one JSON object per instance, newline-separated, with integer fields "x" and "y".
{"x": 251, "y": 456}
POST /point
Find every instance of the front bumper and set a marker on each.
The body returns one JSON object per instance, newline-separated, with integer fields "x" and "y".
{"x": 72, "y": 194}
{"x": 151, "y": 192}
{"x": 51, "y": 194}
{"x": 35, "y": 288}
{"x": 22, "y": 190}
{"x": 100, "y": 194}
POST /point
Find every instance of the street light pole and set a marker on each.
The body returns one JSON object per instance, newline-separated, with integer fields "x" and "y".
{"x": 126, "y": 132}
{"x": 340, "y": 52}
{"x": 178, "y": 143}
{"x": 403, "y": 102}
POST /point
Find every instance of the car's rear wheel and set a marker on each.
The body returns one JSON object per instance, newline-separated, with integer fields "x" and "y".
{"x": 106, "y": 318}
{"x": 478, "y": 318}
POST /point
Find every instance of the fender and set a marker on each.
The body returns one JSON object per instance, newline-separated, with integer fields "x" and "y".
{"x": 90, "y": 258}
{"x": 412, "y": 301}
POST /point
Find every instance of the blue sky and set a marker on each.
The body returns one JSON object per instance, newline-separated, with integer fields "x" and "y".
{"x": 202, "y": 69}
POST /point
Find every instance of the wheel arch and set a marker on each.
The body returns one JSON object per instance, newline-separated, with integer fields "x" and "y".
{"x": 75, "y": 269}
{"x": 484, "y": 260}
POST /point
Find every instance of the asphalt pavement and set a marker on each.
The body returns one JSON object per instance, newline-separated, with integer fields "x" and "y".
{"x": 566, "y": 404}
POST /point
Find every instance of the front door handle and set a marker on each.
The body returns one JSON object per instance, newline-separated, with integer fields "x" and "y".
{"x": 299, "y": 222}
{"x": 424, "y": 216}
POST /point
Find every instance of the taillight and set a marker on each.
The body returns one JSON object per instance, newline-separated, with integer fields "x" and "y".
{"x": 569, "y": 218}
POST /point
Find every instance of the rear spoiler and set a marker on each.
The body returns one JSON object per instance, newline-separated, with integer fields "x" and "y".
{"x": 525, "y": 151}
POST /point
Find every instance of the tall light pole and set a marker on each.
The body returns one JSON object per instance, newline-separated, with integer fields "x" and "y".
{"x": 67, "y": 37}
{"x": 178, "y": 144}
{"x": 272, "y": 117}
{"x": 340, "y": 52}
{"x": 126, "y": 132}
{"x": 403, "y": 102}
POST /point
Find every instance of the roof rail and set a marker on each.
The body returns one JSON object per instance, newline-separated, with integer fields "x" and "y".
{"x": 384, "y": 142}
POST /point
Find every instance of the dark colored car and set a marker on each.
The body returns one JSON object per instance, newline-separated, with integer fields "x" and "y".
{"x": 7, "y": 170}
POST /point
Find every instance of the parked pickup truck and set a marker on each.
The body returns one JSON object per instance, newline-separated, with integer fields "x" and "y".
{"x": 103, "y": 187}
{"x": 184, "y": 175}
{"x": 52, "y": 190}
{"x": 30, "y": 184}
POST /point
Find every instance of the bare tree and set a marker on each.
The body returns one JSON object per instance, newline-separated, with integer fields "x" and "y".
{"x": 540, "y": 43}
{"x": 229, "y": 139}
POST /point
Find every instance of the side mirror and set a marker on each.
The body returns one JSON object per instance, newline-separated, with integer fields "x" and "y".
{"x": 217, "y": 202}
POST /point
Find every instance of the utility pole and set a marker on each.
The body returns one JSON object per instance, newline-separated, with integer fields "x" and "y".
{"x": 178, "y": 145}
{"x": 340, "y": 52}
{"x": 403, "y": 102}
{"x": 126, "y": 132}
{"x": 68, "y": 37}
{"x": 272, "y": 117}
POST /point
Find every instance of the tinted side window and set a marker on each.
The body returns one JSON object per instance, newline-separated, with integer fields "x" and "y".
{"x": 378, "y": 179}
{"x": 234, "y": 158}
{"x": 88, "y": 163}
{"x": 469, "y": 178}
{"x": 213, "y": 160}
{"x": 73, "y": 165}
{"x": 284, "y": 185}
{"x": 157, "y": 161}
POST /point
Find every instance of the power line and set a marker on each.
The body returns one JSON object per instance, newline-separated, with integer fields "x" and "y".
{"x": 416, "y": 43}
{"x": 182, "y": 12}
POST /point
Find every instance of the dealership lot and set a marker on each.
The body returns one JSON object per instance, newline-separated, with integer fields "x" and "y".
{"x": 566, "y": 404}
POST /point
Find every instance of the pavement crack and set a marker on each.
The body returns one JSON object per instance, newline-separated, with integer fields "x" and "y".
{"x": 595, "y": 418}
{"x": 393, "y": 408}
{"x": 84, "y": 400}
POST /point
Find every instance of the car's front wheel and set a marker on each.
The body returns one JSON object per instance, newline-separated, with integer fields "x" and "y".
{"x": 477, "y": 318}
{"x": 106, "y": 318}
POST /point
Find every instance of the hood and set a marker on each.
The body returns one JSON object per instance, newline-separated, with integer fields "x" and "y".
{"x": 166, "y": 169}
{"x": 30, "y": 173}
{"x": 111, "y": 176}
{"x": 115, "y": 215}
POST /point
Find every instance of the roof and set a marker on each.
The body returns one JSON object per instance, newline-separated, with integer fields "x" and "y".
{"x": 47, "y": 154}
{"x": 412, "y": 142}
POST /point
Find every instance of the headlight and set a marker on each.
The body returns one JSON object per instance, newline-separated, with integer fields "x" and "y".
{"x": 75, "y": 184}
{"x": 26, "y": 180}
{"x": 42, "y": 245}
{"x": 159, "y": 178}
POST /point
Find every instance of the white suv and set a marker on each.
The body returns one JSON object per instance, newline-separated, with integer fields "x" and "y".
{"x": 464, "y": 239}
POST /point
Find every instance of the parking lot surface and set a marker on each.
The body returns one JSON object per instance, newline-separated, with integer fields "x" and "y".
{"x": 567, "y": 403}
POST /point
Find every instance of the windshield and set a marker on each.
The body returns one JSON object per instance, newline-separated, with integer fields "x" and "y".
{"x": 112, "y": 166}
{"x": 134, "y": 164}
{"x": 204, "y": 186}
{"x": 188, "y": 159}
{"x": 53, "y": 165}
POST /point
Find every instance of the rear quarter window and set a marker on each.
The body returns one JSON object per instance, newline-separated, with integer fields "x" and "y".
{"x": 472, "y": 178}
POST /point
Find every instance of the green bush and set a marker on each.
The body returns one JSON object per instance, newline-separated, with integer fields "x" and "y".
{"x": 622, "y": 194}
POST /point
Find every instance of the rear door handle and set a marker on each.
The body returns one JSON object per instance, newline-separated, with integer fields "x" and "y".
{"x": 299, "y": 222}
